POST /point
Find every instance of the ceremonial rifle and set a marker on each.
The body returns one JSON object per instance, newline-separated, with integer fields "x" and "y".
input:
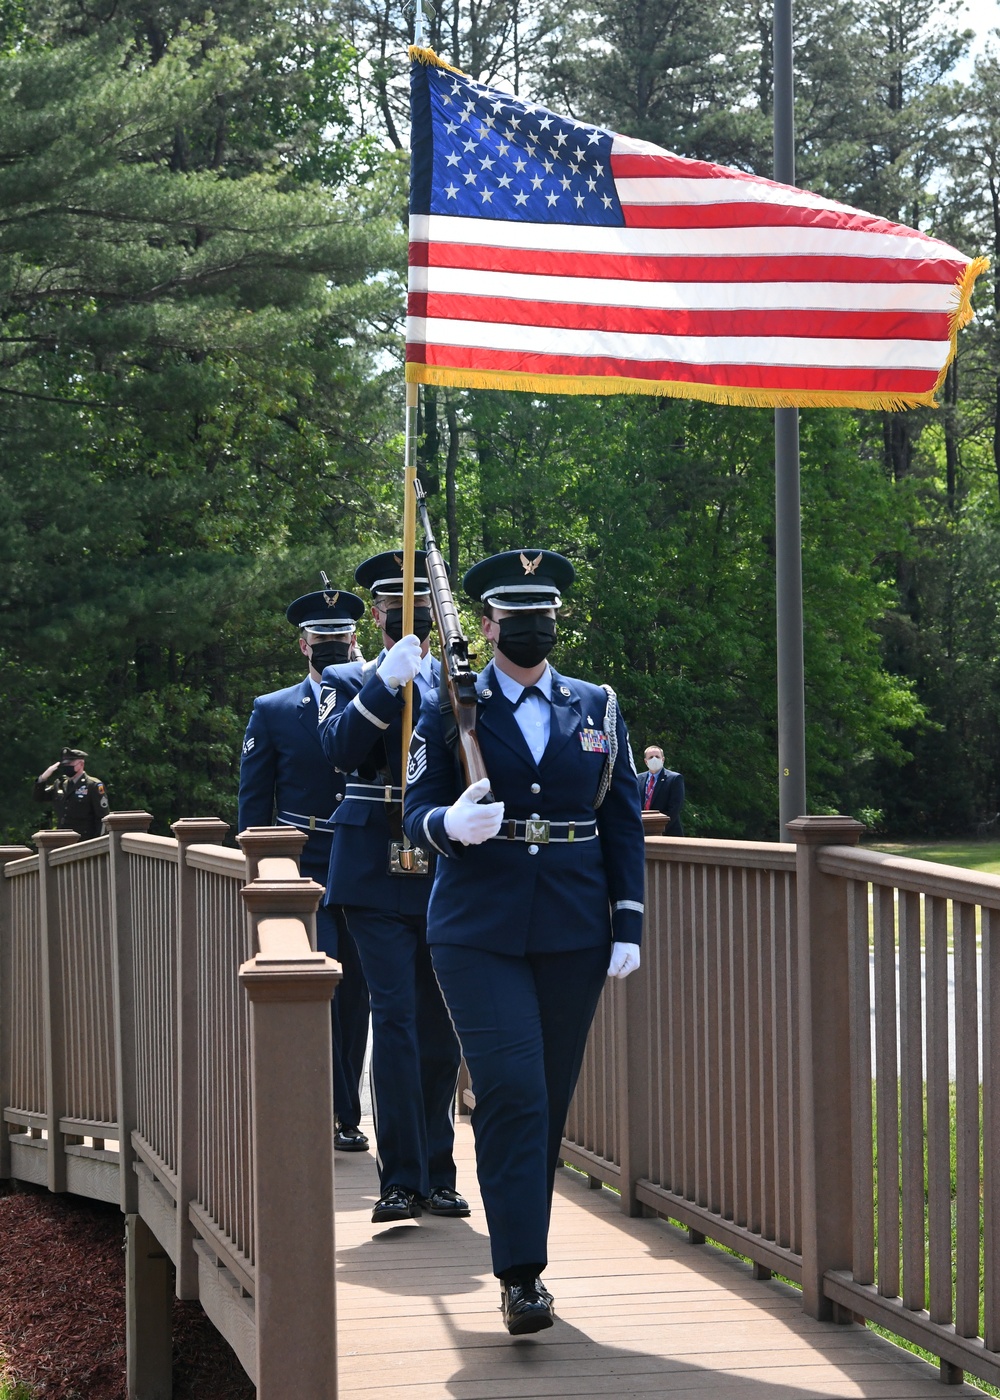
{"x": 458, "y": 674}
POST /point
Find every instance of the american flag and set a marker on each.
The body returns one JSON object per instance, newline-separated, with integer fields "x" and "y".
{"x": 550, "y": 255}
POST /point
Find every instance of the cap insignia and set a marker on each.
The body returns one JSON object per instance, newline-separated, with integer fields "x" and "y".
{"x": 531, "y": 565}
{"x": 332, "y": 599}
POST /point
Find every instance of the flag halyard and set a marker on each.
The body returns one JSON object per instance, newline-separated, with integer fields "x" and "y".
{"x": 549, "y": 255}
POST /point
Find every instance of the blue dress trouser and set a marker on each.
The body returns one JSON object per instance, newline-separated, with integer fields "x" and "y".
{"x": 415, "y": 1051}
{"x": 348, "y": 1009}
{"x": 523, "y": 1023}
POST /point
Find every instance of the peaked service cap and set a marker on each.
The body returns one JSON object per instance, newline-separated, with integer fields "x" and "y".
{"x": 332, "y": 610}
{"x": 520, "y": 579}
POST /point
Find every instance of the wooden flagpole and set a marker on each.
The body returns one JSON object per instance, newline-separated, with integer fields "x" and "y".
{"x": 409, "y": 548}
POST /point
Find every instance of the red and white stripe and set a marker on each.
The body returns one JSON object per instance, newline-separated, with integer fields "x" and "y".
{"x": 717, "y": 279}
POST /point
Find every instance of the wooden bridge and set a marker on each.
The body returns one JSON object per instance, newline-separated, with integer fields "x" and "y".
{"x": 165, "y": 1048}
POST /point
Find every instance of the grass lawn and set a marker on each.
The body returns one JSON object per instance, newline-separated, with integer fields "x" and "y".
{"x": 973, "y": 855}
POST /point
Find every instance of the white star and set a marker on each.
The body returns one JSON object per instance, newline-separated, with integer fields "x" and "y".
{"x": 470, "y": 178}
{"x": 607, "y": 201}
{"x": 486, "y": 163}
{"x": 578, "y": 153}
{"x": 451, "y": 128}
{"x": 520, "y": 165}
{"x": 550, "y": 199}
{"x": 575, "y": 167}
{"x": 520, "y": 198}
{"x": 561, "y": 138}
{"x": 504, "y": 182}
{"x": 469, "y": 146}
{"x": 546, "y": 122}
{"x": 554, "y": 151}
{"x": 486, "y": 196}
{"x": 451, "y": 158}
{"x": 497, "y": 105}
{"x": 514, "y": 121}
{"x": 536, "y": 182}
{"x": 598, "y": 167}
{"x": 579, "y": 200}
{"x": 489, "y": 122}
{"x": 451, "y": 191}
{"x": 456, "y": 86}
{"x": 446, "y": 98}
{"x": 591, "y": 184}
{"x": 470, "y": 107}
{"x": 483, "y": 132}
{"x": 530, "y": 149}
{"x": 565, "y": 182}
{"x": 593, "y": 138}
{"x": 502, "y": 148}
{"x": 548, "y": 167}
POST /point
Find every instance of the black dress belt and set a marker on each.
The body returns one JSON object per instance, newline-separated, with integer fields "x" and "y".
{"x": 539, "y": 832}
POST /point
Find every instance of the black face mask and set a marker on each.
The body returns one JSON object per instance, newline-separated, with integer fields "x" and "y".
{"x": 66, "y": 770}
{"x": 527, "y": 640}
{"x": 329, "y": 654}
{"x": 421, "y": 624}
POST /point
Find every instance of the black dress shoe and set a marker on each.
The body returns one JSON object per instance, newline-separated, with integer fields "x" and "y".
{"x": 526, "y": 1307}
{"x": 444, "y": 1201}
{"x": 396, "y": 1203}
{"x": 349, "y": 1139}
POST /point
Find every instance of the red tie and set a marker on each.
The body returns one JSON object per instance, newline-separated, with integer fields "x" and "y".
{"x": 650, "y": 784}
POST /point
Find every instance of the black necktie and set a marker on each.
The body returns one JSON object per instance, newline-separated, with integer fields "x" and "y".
{"x": 528, "y": 690}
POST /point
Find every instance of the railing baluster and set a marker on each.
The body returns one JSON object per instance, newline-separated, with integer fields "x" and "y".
{"x": 966, "y": 1121}
{"x": 938, "y": 1116}
{"x": 862, "y": 1142}
{"x": 886, "y": 1092}
{"x": 991, "y": 1127}
{"x": 911, "y": 1100}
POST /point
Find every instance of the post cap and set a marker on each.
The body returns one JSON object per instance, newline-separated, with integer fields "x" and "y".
{"x": 208, "y": 830}
{"x": 128, "y": 821}
{"x": 259, "y": 841}
{"x": 52, "y": 840}
{"x": 825, "y": 831}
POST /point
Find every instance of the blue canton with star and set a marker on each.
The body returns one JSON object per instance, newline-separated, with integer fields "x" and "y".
{"x": 483, "y": 154}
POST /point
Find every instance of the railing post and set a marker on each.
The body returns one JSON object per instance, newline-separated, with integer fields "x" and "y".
{"x": 148, "y": 1314}
{"x": 290, "y": 988}
{"x": 824, "y": 1057}
{"x": 189, "y": 831}
{"x": 262, "y": 842}
{"x": 116, "y": 824}
{"x": 7, "y": 854}
{"x": 53, "y": 1018}
{"x": 632, "y": 1031}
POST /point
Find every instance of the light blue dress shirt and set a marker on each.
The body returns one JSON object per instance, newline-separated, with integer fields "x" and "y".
{"x": 533, "y": 717}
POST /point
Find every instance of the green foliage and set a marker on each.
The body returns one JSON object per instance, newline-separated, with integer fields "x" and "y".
{"x": 200, "y": 400}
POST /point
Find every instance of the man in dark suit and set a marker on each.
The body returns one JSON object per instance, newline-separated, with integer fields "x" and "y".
{"x": 285, "y": 778}
{"x": 538, "y": 897}
{"x": 662, "y": 790}
{"x": 383, "y": 886}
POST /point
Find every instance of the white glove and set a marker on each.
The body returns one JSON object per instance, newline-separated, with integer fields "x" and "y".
{"x": 402, "y": 662}
{"x": 624, "y": 959}
{"x": 468, "y": 822}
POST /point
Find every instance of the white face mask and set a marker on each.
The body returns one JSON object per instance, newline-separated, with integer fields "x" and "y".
{"x": 654, "y": 764}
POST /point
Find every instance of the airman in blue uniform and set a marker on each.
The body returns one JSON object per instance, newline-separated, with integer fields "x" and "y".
{"x": 383, "y": 886}
{"x": 538, "y": 897}
{"x": 285, "y": 778}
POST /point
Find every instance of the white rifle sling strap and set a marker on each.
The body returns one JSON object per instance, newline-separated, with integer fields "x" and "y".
{"x": 611, "y": 730}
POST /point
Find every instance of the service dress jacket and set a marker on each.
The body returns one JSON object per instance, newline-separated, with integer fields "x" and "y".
{"x": 668, "y": 798}
{"x": 284, "y": 776}
{"x": 516, "y": 895}
{"x": 361, "y": 730}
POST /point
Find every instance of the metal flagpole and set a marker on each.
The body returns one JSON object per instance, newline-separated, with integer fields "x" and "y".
{"x": 787, "y": 500}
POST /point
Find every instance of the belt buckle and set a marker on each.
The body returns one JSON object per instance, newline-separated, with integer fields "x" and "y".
{"x": 537, "y": 832}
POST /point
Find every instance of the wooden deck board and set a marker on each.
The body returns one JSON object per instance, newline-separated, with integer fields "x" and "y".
{"x": 641, "y": 1312}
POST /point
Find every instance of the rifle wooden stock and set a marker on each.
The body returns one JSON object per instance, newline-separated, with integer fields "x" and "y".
{"x": 457, "y": 671}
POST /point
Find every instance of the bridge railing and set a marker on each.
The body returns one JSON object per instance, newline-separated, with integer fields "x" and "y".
{"x": 812, "y": 1041}
{"x": 164, "y": 1033}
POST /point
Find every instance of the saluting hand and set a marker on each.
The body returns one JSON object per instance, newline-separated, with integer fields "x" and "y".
{"x": 470, "y": 822}
{"x": 624, "y": 959}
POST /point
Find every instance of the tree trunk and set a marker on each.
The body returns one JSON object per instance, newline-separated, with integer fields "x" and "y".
{"x": 451, "y": 504}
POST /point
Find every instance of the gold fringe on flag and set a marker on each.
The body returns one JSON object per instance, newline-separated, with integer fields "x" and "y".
{"x": 430, "y": 60}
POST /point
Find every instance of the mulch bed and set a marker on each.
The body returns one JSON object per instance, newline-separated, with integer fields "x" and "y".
{"x": 62, "y": 1307}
